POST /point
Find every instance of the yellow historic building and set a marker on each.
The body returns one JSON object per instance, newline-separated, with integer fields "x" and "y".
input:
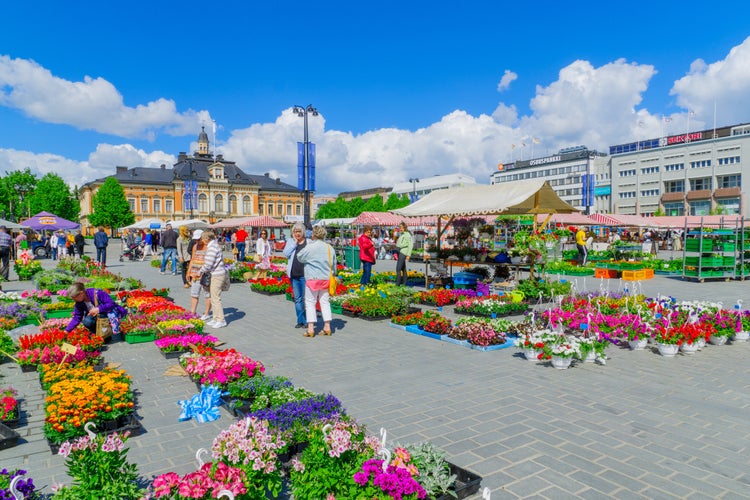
{"x": 198, "y": 186}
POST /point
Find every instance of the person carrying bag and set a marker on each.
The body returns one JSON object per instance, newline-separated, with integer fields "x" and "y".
{"x": 96, "y": 310}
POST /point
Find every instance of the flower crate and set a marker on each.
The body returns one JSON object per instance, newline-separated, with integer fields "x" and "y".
{"x": 695, "y": 245}
{"x": 140, "y": 337}
{"x": 289, "y": 297}
{"x": 172, "y": 354}
{"x": 418, "y": 330}
{"x": 605, "y": 273}
{"x": 581, "y": 272}
{"x": 728, "y": 247}
{"x": 336, "y": 308}
{"x": 635, "y": 275}
{"x": 59, "y": 313}
{"x": 451, "y": 340}
{"x": 8, "y": 437}
{"x": 729, "y": 261}
{"x": 712, "y": 261}
{"x": 125, "y": 423}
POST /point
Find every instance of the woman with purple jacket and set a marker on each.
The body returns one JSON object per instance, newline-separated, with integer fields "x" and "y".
{"x": 87, "y": 310}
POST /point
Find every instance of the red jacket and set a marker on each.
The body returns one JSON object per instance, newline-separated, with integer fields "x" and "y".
{"x": 366, "y": 249}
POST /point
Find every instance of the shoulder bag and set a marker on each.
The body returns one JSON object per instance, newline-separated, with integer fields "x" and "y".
{"x": 103, "y": 325}
{"x": 206, "y": 280}
{"x": 332, "y": 281}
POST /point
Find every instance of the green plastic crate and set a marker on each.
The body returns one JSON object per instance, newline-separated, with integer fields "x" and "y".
{"x": 140, "y": 337}
{"x": 696, "y": 245}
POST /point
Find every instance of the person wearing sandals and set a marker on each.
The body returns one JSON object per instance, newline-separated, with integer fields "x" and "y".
{"x": 214, "y": 264}
{"x": 319, "y": 259}
{"x": 183, "y": 257}
{"x": 197, "y": 252}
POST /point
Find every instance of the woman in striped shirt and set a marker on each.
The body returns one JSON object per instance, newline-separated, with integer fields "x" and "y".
{"x": 214, "y": 264}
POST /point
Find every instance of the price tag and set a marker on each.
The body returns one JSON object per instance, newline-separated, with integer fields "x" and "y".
{"x": 68, "y": 348}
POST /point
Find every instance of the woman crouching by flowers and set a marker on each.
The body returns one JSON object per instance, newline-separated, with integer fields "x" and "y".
{"x": 91, "y": 303}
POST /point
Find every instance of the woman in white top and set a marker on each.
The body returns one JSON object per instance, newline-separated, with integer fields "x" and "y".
{"x": 263, "y": 249}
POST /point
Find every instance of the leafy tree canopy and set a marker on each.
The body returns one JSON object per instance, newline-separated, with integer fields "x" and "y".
{"x": 340, "y": 208}
{"x": 16, "y": 189}
{"x": 53, "y": 195}
{"x": 110, "y": 208}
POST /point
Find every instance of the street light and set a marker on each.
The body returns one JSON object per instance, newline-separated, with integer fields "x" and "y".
{"x": 413, "y": 189}
{"x": 303, "y": 112}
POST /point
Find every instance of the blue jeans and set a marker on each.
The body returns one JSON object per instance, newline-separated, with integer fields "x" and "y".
{"x": 169, "y": 252}
{"x": 101, "y": 254}
{"x": 240, "y": 252}
{"x": 298, "y": 292}
{"x": 366, "y": 273}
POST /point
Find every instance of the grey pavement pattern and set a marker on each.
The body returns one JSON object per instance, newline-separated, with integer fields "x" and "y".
{"x": 642, "y": 426}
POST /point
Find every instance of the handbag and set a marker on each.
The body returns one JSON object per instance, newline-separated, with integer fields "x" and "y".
{"x": 206, "y": 280}
{"x": 256, "y": 258}
{"x": 103, "y": 325}
{"x": 332, "y": 281}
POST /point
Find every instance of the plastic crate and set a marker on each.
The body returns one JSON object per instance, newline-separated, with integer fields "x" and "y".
{"x": 605, "y": 273}
{"x": 729, "y": 261}
{"x": 634, "y": 275}
{"x": 465, "y": 278}
{"x": 695, "y": 245}
{"x": 649, "y": 273}
{"x": 140, "y": 337}
{"x": 728, "y": 247}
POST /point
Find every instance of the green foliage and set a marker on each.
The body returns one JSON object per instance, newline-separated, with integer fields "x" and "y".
{"x": 434, "y": 471}
{"x": 53, "y": 195}
{"x": 110, "y": 207}
{"x": 53, "y": 280}
{"x": 395, "y": 201}
{"x": 13, "y": 186}
{"x": 7, "y": 346}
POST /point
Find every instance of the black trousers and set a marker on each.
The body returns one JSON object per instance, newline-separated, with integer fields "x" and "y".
{"x": 4, "y": 262}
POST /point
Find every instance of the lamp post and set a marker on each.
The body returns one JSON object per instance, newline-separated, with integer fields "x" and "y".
{"x": 303, "y": 112}
{"x": 413, "y": 189}
{"x": 21, "y": 190}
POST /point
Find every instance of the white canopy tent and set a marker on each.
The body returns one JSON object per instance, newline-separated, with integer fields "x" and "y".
{"x": 190, "y": 223}
{"x": 146, "y": 224}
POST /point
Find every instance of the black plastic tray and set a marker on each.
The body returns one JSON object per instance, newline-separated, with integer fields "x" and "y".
{"x": 8, "y": 437}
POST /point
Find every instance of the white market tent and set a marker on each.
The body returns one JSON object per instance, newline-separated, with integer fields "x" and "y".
{"x": 146, "y": 224}
{"x": 12, "y": 225}
{"x": 190, "y": 223}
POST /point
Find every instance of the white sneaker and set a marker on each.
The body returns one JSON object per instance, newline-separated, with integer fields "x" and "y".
{"x": 216, "y": 324}
{"x": 205, "y": 317}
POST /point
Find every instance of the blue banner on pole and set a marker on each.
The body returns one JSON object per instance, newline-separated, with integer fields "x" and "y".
{"x": 194, "y": 196}
{"x": 301, "y": 166}
{"x": 311, "y": 167}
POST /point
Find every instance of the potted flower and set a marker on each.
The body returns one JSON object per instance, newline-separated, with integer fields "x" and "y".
{"x": 668, "y": 340}
{"x": 174, "y": 346}
{"x": 726, "y": 324}
{"x": 208, "y": 482}
{"x": 561, "y": 351}
{"x": 9, "y": 413}
{"x": 25, "y": 265}
{"x": 482, "y": 332}
{"x": 24, "y": 486}
{"x": 744, "y": 334}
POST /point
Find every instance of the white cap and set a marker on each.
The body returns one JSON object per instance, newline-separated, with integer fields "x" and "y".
{"x": 197, "y": 234}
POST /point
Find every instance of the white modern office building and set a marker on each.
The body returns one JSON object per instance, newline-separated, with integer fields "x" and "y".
{"x": 423, "y": 185}
{"x": 579, "y": 175}
{"x": 697, "y": 173}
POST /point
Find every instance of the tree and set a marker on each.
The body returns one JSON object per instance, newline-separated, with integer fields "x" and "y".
{"x": 395, "y": 201}
{"x": 16, "y": 188}
{"x": 53, "y": 195}
{"x": 110, "y": 207}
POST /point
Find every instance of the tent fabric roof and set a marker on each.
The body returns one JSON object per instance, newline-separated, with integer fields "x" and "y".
{"x": 377, "y": 219}
{"x": 144, "y": 224}
{"x": 190, "y": 223}
{"x": 713, "y": 221}
{"x": 45, "y": 221}
{"x": 341, "y": 221}
{"x": 624, "y": 220}
{"x": 575, "y": 219}
{"x": 533, "y": 196}
{"x": 12, "y": 225}
{"x": 258, "y": 221}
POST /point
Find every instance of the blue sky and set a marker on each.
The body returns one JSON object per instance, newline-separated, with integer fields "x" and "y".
{"x": 404, "y": 89}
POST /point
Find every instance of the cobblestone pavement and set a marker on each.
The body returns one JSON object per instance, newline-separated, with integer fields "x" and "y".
{"x": 642, "y": 426}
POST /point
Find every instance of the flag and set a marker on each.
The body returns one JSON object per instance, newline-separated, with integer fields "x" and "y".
{"x": 213, "y": 122}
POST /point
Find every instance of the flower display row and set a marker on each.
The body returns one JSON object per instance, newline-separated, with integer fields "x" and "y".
{"x": 184, "y": 342}
{"x": 8, "y": 404}
{"x": 493, "y": 305}
{"x": 271, "y": 285}
{"x": 210, "y": 366}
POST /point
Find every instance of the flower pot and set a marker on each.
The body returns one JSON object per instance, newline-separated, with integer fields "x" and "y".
{"x": 686, "y": 348}
{"x": 668, "y": 350}
{"x": 740, "y": 337}
{"x": 701, "y": 343}
{"x": 590, "y": 357}
{"x": 717, "y": 340}
{"x": 531, "y": 354}
{"x": 561, "y": 363}
{"x": 638, "y": 345}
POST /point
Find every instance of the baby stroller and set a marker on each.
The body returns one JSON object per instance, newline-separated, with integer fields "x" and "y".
{"x": 134, "y": 252}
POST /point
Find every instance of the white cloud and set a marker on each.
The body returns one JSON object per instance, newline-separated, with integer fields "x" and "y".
{"x": 508, "y": 78}
{"x": 725, "y": 83}
{"x": 93, "y": 104}
{"x": 73, "y": 172}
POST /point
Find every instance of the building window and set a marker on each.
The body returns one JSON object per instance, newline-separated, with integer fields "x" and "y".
{"x": 729, "y": 181}
{"x": 627, "y": 194}
{"x": 260, "y": 209}
{"x": 649, "y": 192}
{"x": 219, "y": 203}
{"x": 677, "y": 208}
{"x": 730, "y": 206}
{"x": 247, "y": 205}
{"x": 627, "y": 173}
{"x": 144, "y": 205}
{"x": 168, "y": 206}
{"x": 298, "y": 210}
{"x": 202, "y": 203}
{"x": 279, "y": 209}
{"x": 700, "y": 207}
{"x": 131, "y": 202}
{"x": 650, "y": 170}
{"x": 232, "y": 204}
{"x": 674, "y": 167}
{"x": 674, "y": 186}
{"x": 270, "y": 209}
{"x": 289, "y": 209}
{"x": 729, "y": 160}
{"x": 700, "y": 184}
{"x": 700, "y": 164}
{"x": 157, "y": 206}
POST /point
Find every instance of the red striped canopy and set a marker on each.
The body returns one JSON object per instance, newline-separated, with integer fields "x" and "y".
{"x": 377, "y": 219}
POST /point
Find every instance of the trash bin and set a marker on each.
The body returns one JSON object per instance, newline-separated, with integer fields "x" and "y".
{"x": 351, "y": 258}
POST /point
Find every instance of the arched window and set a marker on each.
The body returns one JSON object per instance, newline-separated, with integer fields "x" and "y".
{"x": 232, "y": 204}
{"x": 202, "y": 203}
{"x": 219, "y": 203}
{"x": 247, "y": 205}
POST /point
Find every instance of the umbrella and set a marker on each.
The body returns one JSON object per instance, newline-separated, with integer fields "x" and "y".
{"x": 190, "y": 223}
{"x": 45, "y": 221}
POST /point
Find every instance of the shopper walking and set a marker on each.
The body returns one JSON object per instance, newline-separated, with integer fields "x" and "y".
{"x": 79, "y": 244}
{"x": 101, "y": 240}
{"x": 240, "y": 241}
{"x": 183, "y": 257}
{"x": 405, "y": 245}
{"x": 296, "y": 271}
{"x": 5, "y": 243}
{"x": 214, "y": 264}
{"x": 263, "y": 250}
{"x": 366, "y": 254}
{"x": 319, "y": 260}
{"x": 197, "y": 250}
{"x": 583, "y": 252}
{"x": 169, "y": 243}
